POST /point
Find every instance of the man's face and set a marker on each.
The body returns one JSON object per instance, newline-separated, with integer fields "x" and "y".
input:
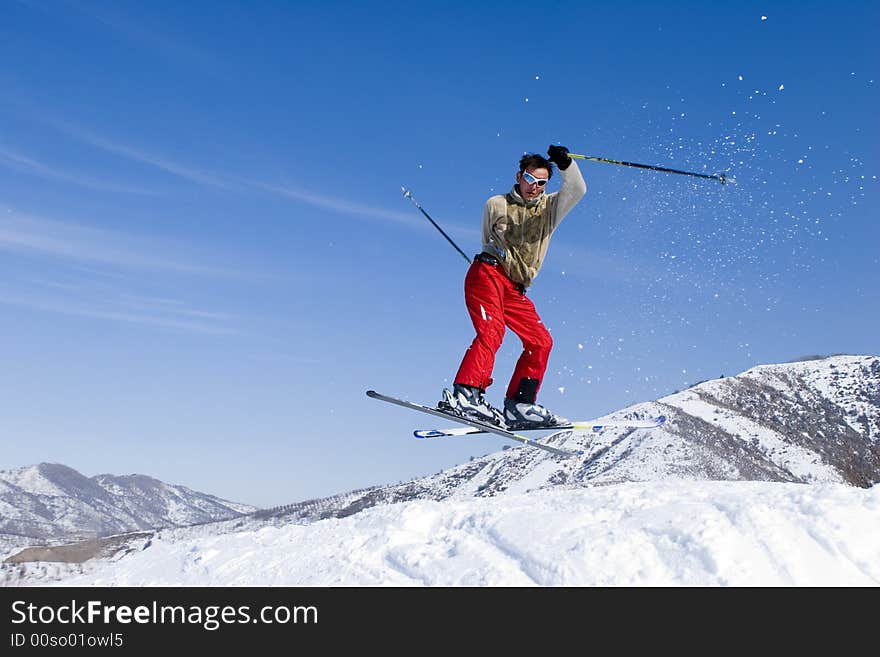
{"x": 531, "y": 186}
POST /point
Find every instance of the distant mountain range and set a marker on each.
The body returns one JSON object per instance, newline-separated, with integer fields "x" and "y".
{"x": 51, "y": 503}
{"x": 810, "y": 421}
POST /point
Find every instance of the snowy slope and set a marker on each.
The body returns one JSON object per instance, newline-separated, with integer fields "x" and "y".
{"x": 817, "y": 420}
{"x": 715, "y": 496}
{"x": 642, "y": 534}
{"x": 809, "y": 422}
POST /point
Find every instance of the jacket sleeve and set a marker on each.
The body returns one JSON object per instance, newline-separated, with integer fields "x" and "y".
{"x": 570, "y": 192}
{"x": 490, "y": 244}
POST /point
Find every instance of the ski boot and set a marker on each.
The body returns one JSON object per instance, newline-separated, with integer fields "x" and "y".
{"x": 468, "y": 402}
{"x": 522, "y": 415}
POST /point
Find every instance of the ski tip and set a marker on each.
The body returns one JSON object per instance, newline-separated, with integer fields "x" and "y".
{"x": 429, "y": 433}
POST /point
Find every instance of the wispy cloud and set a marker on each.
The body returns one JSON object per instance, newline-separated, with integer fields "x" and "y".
{"x": 410, "y": 218}
{"x": 36, "y": 236}
{"x": 192, "y": 174}
{"x": 83, "y": 308}
{"x": 85, "y": 293}
{"x": 20, "y": 162}
{"x": 337, "y": 204}
{"x": 174, "y": 307}
{"x": 238, "y": 183}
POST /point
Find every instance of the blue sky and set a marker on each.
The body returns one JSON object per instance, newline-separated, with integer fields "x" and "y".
{"x": 206, "y": 259}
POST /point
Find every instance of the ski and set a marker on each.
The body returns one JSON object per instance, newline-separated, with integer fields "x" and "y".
{"x": 594, "y": 425}
{"x": 474, "y": 424}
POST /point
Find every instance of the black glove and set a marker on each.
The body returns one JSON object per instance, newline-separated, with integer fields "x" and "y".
{"x": 559, "y": 156}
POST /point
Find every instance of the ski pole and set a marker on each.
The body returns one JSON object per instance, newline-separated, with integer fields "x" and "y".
{"x": 408, "y": 194}
{"x": 722, "y": 178}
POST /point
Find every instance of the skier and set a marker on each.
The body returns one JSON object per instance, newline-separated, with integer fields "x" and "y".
{"x": 517, "y": 227}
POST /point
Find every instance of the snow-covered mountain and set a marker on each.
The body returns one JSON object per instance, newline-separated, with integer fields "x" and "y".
{"x": 809, "y": 422}
{"x": 653, "y": 533}
{"x": 52, "y": 502}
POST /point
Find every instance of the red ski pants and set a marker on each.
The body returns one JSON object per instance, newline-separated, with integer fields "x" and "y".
{"x": 493, "y": 302}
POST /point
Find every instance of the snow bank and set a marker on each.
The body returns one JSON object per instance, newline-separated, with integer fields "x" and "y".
{"x": 635, "y": 534}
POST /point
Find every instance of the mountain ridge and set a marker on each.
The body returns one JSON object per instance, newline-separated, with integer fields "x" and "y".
{"x": 808, "y": 421}
{"x": 52, "y": 502}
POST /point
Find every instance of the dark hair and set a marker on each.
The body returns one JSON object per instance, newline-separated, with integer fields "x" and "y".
{"x": 535, "y": 161}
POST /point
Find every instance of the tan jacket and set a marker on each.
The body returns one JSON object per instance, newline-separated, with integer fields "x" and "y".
{"x": 518, "y": 232}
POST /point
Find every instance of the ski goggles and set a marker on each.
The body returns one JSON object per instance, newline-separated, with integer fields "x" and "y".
{"x": 530, "y": 179}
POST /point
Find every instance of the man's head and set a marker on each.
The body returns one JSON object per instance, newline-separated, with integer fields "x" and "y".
{"x": 534, "y": 172}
